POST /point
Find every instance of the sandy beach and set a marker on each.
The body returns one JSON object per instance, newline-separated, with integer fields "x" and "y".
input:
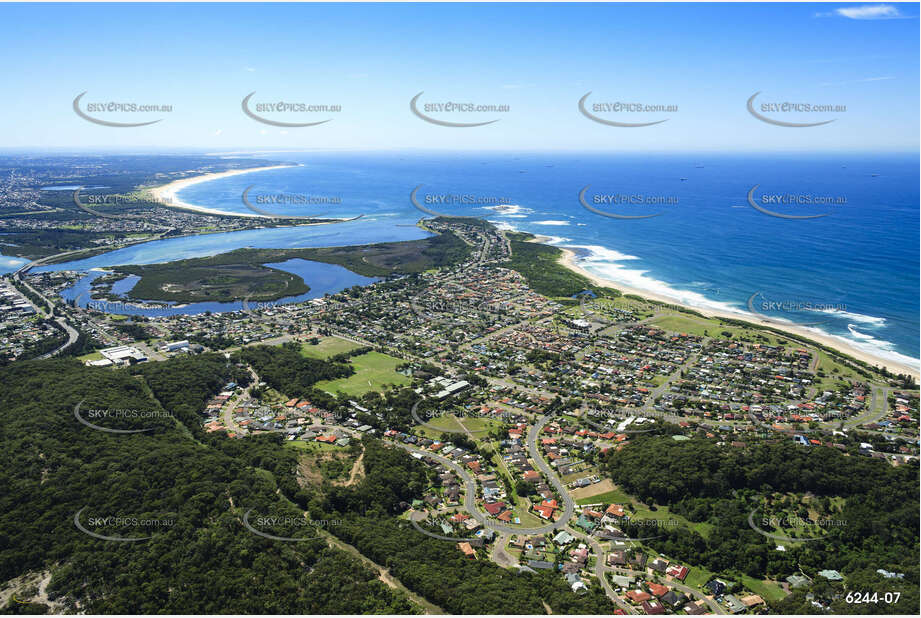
{"x": 570, "y": 260}
{"x": 166, "y": 194}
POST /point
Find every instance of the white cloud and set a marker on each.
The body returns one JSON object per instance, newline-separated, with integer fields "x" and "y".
{"x": 858, "y": 81}
{"x": 866, "y": 11}
{"x": 249, "y": 69}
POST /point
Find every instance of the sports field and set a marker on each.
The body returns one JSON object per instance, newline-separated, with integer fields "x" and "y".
{"x": 328, "y": 346}
{"x": 373, "y": 371}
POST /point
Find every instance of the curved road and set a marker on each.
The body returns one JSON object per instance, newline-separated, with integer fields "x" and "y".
{"x": 600, "y": 566}
{"x": 72, "y": 333}
{"x": 500, "y": 556}
{"x": 563, "y": 521}
{"x": 569, "y": 505}
{"x": 227, "y": 409}
{"x": 470, "y": 497}
{"x": 470, "y": 492}
{"x": 712, "y": 604}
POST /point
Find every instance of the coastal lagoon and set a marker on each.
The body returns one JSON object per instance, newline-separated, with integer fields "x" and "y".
{"x": 321, "y": 277}
{"x": 185, "y": 247}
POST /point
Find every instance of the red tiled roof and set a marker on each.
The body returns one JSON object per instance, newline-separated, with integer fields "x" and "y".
{"x": 677, "y": 571}
{"x": 494, "y": 508}
{"x": 638, "y": 595}
{"x": 467, "y": 549}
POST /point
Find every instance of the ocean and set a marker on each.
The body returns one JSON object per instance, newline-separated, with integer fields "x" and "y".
{"x": 851, "y": 272}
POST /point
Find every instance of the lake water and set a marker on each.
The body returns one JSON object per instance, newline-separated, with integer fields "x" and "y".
{"x": 322, "y": 278}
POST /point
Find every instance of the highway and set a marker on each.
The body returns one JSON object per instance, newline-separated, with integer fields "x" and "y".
{"x": 72, "y": 333}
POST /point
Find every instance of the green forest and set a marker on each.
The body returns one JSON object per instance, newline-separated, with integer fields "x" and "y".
{"x": 287, "y": 371}
{"x": 873, "y": 505}
{"x": 204, "y": 561}
{"x": 539, "y": 264}
{"x": 188, "y": 492}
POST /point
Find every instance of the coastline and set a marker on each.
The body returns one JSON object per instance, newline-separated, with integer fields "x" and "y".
{"x": 569, "y": 259}
{"x": 166, "y": 194}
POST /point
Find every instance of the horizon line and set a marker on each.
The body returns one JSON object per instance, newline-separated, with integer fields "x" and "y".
{"x": 243, "y": 150}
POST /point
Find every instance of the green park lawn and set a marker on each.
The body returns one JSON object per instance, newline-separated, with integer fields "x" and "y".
{"x": 328, "y": 346}
{"x": 698, "y": 576}
{"x": 767, "y": 590}
{"x": 448, "y": 423}
{"x": 373, "y": 371}
{"x": 313, "y": 445}
{"x": 661, "y": 513}
{"x": 834, "y": 372}
{"x": 698, "y": 326}
{"x": 439, "y": 425}
{"x": 478, "y": 425}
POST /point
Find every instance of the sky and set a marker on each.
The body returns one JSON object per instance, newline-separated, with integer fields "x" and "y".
{"x": 539, "y": 60}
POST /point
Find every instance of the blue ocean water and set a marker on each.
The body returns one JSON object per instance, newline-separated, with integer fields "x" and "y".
{"x": 852, "y": 274}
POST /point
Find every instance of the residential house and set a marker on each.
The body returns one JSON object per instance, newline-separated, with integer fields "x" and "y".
{"x": 638, "y": 596}
{"x": 733, "y": 604}
{"x": 673, "y": 599}
{"x": 617, "y": 557}
{"x": 467, "y": 549}
{"x": 716, "y": 587}
{"x": 563, "y": 538}
{"x": 653, "y": 608}
{"x": 677, "y": 571}
{"x": 494, "y": 508}
{"x": 752, "y": 600}
{"x": 658, "y": 565}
